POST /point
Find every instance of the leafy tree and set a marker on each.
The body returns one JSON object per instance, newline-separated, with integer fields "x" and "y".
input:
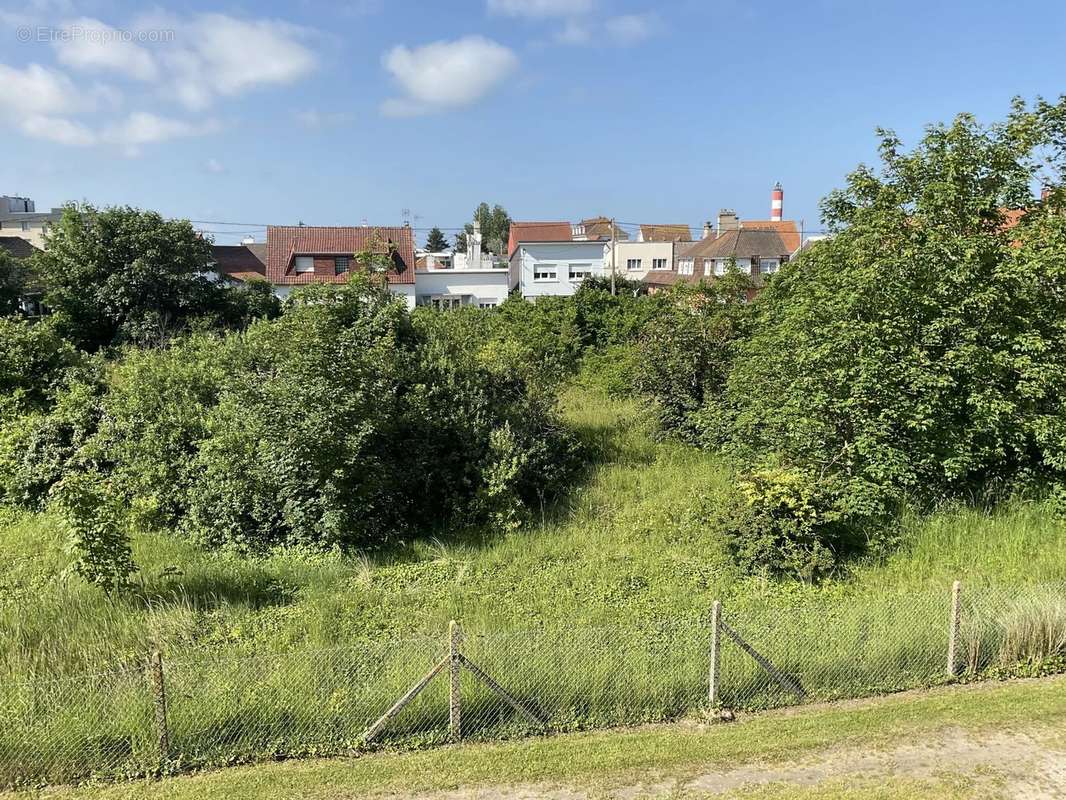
{"x": 122, "y": 274}
{"x": 436, "y": 241}
{"x": 11, "y": 280}
{"x": 495, "y": 228}
{"x": 33, "y": 358}
{"x": 918, "y": 352}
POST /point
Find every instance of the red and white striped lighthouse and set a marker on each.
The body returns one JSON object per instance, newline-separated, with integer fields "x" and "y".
{"x": 777, "y": 202}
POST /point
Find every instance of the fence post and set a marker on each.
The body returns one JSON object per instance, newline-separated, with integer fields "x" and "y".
{"x": 716, "y": 641}
{"x": 455, "y": 725}
{"x": 159, "y": 701}
{"x": 953, "y": 628}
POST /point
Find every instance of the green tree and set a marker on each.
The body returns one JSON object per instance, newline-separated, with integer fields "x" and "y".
{"x": 495, "y": 228}
{"x": 918, "y": 353}
{"x": 11, "y": 280}
{"x": 436, "y": 241}
{"x": 122, "y": 274}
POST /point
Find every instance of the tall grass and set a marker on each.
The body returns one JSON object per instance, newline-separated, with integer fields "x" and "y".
{"x": 596, "y": 614}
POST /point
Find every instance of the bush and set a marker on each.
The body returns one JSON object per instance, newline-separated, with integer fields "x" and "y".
{"x": 98, "y": 538}
{"x": 342, "y": 424}
{"x": 33, "y": 362}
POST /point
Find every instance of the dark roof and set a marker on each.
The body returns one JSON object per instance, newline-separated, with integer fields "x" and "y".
{"x": 537, "y": 232}
{"x": 284, "y": 243}
{"x": 743, "y": 243}
{"x": 666, "y": 233}
{"x": 240, "y": 261}
{"x": 600, "y": 228}
{"x": 17, "y": 246}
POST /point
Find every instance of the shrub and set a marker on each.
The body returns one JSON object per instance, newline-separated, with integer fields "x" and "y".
{"x": 98, "y": 538}
{"x": 33, "y": 362}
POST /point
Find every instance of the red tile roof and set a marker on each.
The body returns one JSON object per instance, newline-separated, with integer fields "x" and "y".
{"x": 284, "y": 243}
{"x": 240, "y": 261}
{"x": 537, "y": 232}
{"x": 666, "y": 233}
{"x": 786, "y": 229}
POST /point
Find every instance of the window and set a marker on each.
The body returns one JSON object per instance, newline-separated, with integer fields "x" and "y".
{"x": 768, "y": 266}
{"x": 545, "y": 272}
{"x": 305, "y": 264}
{"x": 659, "y": 263}
{"x": 25, "y": 226}
{"x": 756, "y": 262}
{"x": 633, "y": 263}
{"x": 684, "y": 266}
{"x": 340, "y": 264}
{"x": 578, "y": 272}
{"x": 719, "y": 266}
{"x": 487, "y": 304}
{"x": 445, "y": 302}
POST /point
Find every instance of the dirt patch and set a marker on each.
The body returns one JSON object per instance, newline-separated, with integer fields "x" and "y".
{"x": 1029, "y": 768}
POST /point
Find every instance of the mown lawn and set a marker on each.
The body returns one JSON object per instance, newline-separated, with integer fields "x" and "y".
{"x": 599, "y": 763}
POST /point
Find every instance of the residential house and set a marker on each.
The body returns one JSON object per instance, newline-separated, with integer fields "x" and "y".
{"x": 237, "y": 263}
{"x": 30, "y": 299}
{"x": 758, "y": 248}
{"x": 473, "y": 278}
{"x": 553, "y": 258}
{"x": 20, "y": 219}
{"x": 652, "y": 251}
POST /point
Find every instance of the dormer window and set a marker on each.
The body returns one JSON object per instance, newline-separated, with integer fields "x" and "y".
{"x": 305, "y": 264}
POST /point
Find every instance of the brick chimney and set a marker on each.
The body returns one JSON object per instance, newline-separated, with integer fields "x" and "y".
{"x": 777, "y": 202}
{"x": 728, "y": 221}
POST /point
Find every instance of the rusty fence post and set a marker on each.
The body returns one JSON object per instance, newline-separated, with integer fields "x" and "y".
{"x": 716, "y": 658}
{"x": 159, "y": 703}
{"x": 455, "y": 712}
{"x": 953, "y": 629}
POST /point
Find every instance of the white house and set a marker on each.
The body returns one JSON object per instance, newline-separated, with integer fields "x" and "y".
{"x": 450, "y": 280}
{"x": 652, "y": 251}
{"x": 546, "y": 260}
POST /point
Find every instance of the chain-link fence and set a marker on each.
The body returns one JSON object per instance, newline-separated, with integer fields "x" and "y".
{"x": 170, "y": 714}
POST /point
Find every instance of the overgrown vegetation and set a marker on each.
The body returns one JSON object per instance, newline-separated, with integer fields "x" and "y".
{"x": 886, "y": 416}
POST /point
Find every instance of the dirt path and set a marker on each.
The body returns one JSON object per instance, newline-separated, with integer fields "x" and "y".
{"x": 1022, "y": 766}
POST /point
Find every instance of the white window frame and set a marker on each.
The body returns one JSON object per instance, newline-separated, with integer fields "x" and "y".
{"x": 303, "y": 264}
{"x": 584, "y": 268}
{"x": 686, "y": 266}
{"x": 719, "y": 266}
{"x": 660, "y": 264}
{"x": 553, "y": 269}
{"x": 769, "y": 265}
{"x": 487, "y": 304}
{"x": 630, "y": 264}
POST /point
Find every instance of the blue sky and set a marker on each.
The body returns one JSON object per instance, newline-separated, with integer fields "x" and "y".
{"x": 335, "y": 112}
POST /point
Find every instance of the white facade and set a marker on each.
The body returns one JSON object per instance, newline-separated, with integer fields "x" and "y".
{"x": 635, "y": 260}
{"x": 544, "y": 269}
{"x": 447, "y": 288}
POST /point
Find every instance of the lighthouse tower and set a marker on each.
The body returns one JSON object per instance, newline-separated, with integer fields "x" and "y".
{"x": 777, "y": 201}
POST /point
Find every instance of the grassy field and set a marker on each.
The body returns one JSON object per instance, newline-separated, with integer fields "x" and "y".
{"x": 597, "y": 613}
{"x": 635, "y": 542}
{"x": 974, "y": 742}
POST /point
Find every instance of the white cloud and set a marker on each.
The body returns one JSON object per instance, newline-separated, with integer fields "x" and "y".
{"x": 573, "y": 32}
{"x": 632, "y": 28}
{"x": 624, "y": 30}
{"x": 315, "y": 120}
{"x": 446, "y": 75}
{"x": 216, "y": 55}
{"x": 37, "y": 90}
{"x": 94, "y": 45}
{"x": 540, "y": 9}
{"x": 58, "y": 129}
{"x": 143, "y": 127}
